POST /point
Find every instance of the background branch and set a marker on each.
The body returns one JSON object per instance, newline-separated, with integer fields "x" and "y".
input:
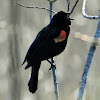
{"x": 53, "y": 66}
{"x": 84, "y": 12}
{"x": 25, "y": 6}
{"x": 68, "y": 2}
{"x": 88, "y": 62}
{"x": 74, "y": 6}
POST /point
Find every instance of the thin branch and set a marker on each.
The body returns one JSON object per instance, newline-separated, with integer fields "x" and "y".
{"x": 74, "y": 6}
{"x": 68, "y": 2}
{"x": 55, "y": 80}
{"x": 84, "y": 12}
{"x": 52, "y": 1}
{"x": 88, "y": 62}
{"x": 52, "y": 61}
{"x": 25, "y": 6}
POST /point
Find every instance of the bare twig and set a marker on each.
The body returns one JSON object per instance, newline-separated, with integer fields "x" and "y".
{"x": 55, "y": 80}
{"x": 74, "y": 6}
{"x": 68, "y": 2}
{"x": 25, "y": 6}
{"x": 91, "y": 51}
{"x": 84, "y": 11}
{"x": 88, "y": 62}
{"x": 53, "y": 66}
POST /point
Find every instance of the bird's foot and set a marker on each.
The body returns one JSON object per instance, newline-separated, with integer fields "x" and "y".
{"x": 52, "y": 67}
{"x": 52, "y": 63}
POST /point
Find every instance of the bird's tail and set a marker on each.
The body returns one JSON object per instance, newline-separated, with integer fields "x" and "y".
{"x": 33, "y": 82}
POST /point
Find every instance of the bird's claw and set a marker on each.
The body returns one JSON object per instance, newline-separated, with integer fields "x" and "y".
{"x": 53, "y": 65}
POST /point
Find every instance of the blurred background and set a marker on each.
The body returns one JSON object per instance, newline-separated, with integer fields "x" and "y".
{"x": 19, "y": 27}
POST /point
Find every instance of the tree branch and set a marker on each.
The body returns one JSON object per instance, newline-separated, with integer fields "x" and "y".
{"x": 44, "y": 8}
{"x": 88, "y": 62}
{"x": 68, "y": 2}
{"x": 84, "y": 12}
{"x": 74, "y": 6}
{"x": 52, "y": 61}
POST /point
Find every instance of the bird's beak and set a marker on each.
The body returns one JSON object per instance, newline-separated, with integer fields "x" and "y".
{"x": 71, "y": 18}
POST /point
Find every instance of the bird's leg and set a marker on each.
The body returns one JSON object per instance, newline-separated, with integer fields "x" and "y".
{"x": 53, "y": 64}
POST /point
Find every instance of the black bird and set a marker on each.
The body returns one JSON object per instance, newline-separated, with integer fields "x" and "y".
{"x": 49, "y": 42}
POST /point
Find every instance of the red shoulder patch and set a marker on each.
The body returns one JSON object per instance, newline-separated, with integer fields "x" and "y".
{"x": 62, "y": 35}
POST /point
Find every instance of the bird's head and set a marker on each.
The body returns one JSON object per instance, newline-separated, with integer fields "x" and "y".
{"x": 62, "y": 18}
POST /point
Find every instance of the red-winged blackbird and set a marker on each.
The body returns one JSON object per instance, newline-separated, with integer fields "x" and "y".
{"x": 49, "y": 42}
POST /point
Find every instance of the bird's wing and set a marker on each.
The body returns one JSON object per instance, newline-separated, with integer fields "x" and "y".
{"x": 44, "y": 35}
